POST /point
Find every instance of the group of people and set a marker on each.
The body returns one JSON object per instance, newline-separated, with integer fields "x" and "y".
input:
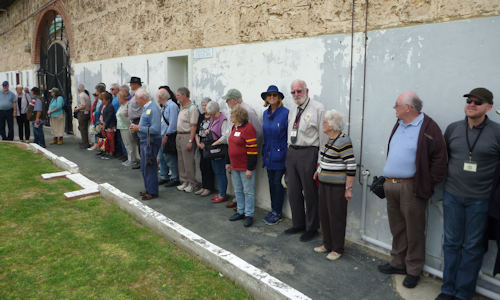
{"x": 305, "y": 150}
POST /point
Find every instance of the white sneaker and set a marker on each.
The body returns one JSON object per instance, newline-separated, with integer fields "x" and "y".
{"x": 189, "y": 188}
{"x": 182, "y": 186}
{"x": 127, "y": 163}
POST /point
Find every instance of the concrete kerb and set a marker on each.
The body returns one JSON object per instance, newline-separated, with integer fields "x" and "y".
{"x": 259, "y": 283}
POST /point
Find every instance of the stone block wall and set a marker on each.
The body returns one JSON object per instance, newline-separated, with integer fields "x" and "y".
{"x": 104, "y": 29}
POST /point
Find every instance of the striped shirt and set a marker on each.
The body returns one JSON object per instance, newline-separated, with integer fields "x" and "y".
{"x": 336, "y": 161}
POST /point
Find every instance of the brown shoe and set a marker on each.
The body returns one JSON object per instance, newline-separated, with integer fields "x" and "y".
{"x": 54, "y": 141}
{"x": 60, "y": 142}
{"x": 205, "y": 193}
{"x": 230, "y": 204}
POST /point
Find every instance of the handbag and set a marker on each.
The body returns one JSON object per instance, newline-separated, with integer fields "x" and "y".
{"x": 377, "y": 186}
{"x": 214, "y": 152}
{"x": 169, "y": 147}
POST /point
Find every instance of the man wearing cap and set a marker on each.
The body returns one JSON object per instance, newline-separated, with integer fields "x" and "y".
{"x": 473, "y": 156}
{"x": 149, "y": 132}
{"x": 232, "y": 98}
{"x": 134, "y": 112}
{"x": 416, "y": 161}
{"x": 8, "y": 110}
{"x": 304, "y": 138}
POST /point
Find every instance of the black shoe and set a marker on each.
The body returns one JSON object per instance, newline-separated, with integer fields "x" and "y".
{"x": 123, "y": 158}
{"x": 388, "y": 269}
{"x": 248, "y": 221}
{"x": 172, "y": 183}
{"x": 99, "y": 153}
{"x": 236, "y": 217}
{"x": 82, "y": 146}
{"x": 163, "y": 181}
{"x": 308, "y": 235}
{"x": 444, "y": 296}
{"x": 136, "y": 166}
{"x": 411, "y": 281}
{"x": 294, "y": 230}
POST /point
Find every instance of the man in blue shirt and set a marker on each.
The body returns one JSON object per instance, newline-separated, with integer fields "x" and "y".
{"x": 416, "y": 161}
{"x": 149, "y": 132}
{"x": 168, "y": 152}
{"x": 8, "y": 110}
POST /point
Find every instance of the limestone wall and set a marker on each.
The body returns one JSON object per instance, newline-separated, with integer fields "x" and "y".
{"x": 109, "y": 28}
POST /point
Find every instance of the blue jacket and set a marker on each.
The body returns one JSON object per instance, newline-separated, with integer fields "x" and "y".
{"x": 275, "y": 128}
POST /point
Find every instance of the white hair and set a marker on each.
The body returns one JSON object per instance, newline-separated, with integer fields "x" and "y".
{"x": 302, "y": 82}
{"x": 142, "y": 93}
{"x": 163, "y": 94}
{"x": 335, "y": 120}
{"x": 212, "y": 107}
{"x": 125, "y": 87}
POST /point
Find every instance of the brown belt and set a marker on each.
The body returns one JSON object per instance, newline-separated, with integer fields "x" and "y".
{"x": 398, "y": 180}
{"x": 187, "y": 132}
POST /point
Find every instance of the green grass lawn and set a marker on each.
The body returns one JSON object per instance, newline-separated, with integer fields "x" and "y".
{"x": 51, "y": 248}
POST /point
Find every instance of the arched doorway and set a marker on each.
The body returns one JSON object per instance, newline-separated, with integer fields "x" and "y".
{"x": 55, "y": 68}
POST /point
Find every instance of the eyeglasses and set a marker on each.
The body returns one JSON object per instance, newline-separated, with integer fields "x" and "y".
{"x": 296, "y": 92}
{"x": 272, "y": 95}
{"x": 476, "y": 102}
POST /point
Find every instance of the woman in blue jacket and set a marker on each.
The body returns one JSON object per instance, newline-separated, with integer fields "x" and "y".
{"x": 275, "y": 127}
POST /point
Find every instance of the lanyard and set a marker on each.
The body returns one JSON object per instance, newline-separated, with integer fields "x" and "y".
{"x": 467, "y": 138}
{"x": 299, "y": 114}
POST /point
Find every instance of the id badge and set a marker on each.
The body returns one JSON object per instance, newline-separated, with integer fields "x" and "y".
{"x": 470, "y": 166}
{"x": 319, "y": 170}
{"x": 293, "y": 133}
{"x": 237, "y": 133}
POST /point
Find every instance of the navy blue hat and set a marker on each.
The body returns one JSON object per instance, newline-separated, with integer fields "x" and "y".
{"x": 5, "y": 83}
{"x": 271, "y": 88}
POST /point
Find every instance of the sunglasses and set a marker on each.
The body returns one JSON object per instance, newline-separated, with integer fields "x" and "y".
{"x": 296, "y": 92}
{"x": 272, "y": 95}
{"x": 476, "y": 102}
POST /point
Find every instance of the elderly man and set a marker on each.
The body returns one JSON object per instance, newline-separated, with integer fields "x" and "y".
{"x": 149, "y": 132}
{"x": 83, "y": 115}
{"x": 115, "y": 89}
{"x": 187, "y": 122}
{"x": 134, "y": 112}
{"x": 474, "y": 154}
{"x": 304, "y": 135}
{"x": 8, "y": 110}
{"x": 233, "y": 97}
{"x": 168, "y": 151}
{"x": 416, "y": 161}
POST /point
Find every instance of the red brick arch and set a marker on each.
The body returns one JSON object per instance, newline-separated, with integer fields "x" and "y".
{"x": 41, "y": 20}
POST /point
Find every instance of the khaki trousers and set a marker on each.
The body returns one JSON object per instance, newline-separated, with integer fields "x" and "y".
{"x": 186, "y": 163}
{"x": 57, "y": 125}
{"x": 406, "y": 213}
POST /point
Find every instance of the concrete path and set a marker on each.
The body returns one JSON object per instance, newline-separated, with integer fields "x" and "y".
{"x": 354, "y": 276}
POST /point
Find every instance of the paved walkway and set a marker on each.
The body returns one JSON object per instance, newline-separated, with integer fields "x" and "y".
{"x": 354, "y": 276}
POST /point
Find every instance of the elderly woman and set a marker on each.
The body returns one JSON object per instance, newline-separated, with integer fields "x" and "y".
{"x": 83, "y": 115}
{"x": 23, "y": 124}
{"x": 274, "y": 130}
{"x": 95, "y": 112}
{"x": 108, "y": 122}
{"x": 218, "y": 129}
{"x": 335, "y": 173}
{"x": 242, "y": 160}
{"x": 201, "y": 138}
{"x": 57, "y": 118}
{"x": 122, "y": 124}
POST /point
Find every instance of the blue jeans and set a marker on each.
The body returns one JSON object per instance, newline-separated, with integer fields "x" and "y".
{"x": 276, "y": 190}
{"x": 150, "y": 172}
{"x": 465, "y": 222}
{"x": 168, "y": 162}
{"x": 219, "y": 168}
{"x": 38, "y": 133}
{"x": 244, "y": 189}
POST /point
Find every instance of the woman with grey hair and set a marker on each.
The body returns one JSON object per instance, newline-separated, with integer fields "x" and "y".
{"x": 207, "y": 174}
{"x": 218, "y": 130}
{"x": 335, "y": 173}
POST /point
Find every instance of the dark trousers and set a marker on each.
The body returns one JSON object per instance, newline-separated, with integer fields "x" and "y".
{"x": 83, "y": 126}
{"x": 7, "y": 116}
{"x": 38, "y": 134}
{"x": 150, "y": 172}
{"x": 406, "y": 213}
{"x": 333, "y": 215}
{"x": 300, "y": 168}
{"x": 276, "y": 190}
{"x": 23, "y": 126}
{"x": 207, "y": 173}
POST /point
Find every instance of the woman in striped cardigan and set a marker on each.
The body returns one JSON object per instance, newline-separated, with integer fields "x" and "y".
{"x": 335, "y": 173}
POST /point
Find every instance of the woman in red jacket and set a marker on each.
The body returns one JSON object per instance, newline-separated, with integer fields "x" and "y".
{"x": 241, "y": 163}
